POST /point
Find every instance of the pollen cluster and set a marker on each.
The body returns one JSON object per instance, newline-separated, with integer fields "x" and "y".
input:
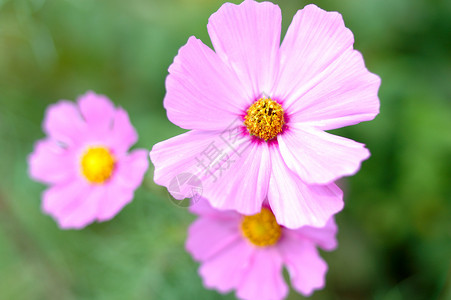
{"x": 97, "y": 164}
{"x": 265, "y": 119}
{"x": 261, "y": 229}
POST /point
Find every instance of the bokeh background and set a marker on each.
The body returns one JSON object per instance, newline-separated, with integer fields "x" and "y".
{"x": 395, "y": 230}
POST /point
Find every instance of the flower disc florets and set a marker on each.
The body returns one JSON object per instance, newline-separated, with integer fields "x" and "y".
{"x": 265, "y": 119}
{"x": 97, "y": 164}
{"x": 261, "y": 229}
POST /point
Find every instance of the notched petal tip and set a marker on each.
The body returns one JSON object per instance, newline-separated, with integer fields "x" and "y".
{"x": 62, "y": 121}
{"x": 203, "y": 93}
{"x": 97, "y": 110}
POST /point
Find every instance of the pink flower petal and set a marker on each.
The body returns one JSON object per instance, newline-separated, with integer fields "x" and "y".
{"x": 72, "y": 200}
{"x": 244, "y": 186}
{"x": 314, "y": 40}
{"x": 202, "y": 207}
{"x": 319, "y": 157}
{"x": 264, "y": 279}
{"x": 50, "y": 163}
{"x": 325, "y": 237}
{"x": 235, "y": 170}
{"x": 83, "y": 211}
{"x": 208, "y": 236}
{"x": 98, "y": 112}
{"x": 178, "y": 155}
{"x": 297, "y": 204}
{"x": 202, "y": 92}
{"x": 225, "y": 270}
{"x": 247, "y": 38}
{"x": 128, "y": 176}
{"x": 345, "y": 96}
{"x": 306, "y": 268}
{"x": 122, "y": 135}
{"x": 130, "y": 169}
{"x": 58, "y": 200}
{"x": 322, "y": 80}
{"x": 112, "y": 202}
{"x": 63, "y": 122}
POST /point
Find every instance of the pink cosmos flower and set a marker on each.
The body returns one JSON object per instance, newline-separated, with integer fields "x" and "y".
{"x": 257, "y": 111}
{"x": 84, "y": 159}
{"x": 247, "y": 253}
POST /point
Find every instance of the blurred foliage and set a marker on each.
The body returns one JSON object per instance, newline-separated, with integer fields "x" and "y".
{"x": 395, "y": 231}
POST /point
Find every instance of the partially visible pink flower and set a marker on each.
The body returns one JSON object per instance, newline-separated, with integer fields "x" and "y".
{"x": 259, "y": 109}
{"x": 248, "y": 253}
{"x": 84, "y": 159}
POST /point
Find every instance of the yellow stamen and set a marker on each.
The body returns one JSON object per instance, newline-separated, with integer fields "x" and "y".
{"x": 97, "y": 164}
{"x": 265, "y": 119}
{"x": 261, "y": 229}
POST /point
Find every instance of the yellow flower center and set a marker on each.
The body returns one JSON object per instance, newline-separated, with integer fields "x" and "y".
{"x": 261, "y": 229}
{"x": 265, "y": 119}
{"x": 97, "y": 164}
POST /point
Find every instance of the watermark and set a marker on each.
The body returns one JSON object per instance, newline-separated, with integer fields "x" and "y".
{"x": 221, "y": 153}
{"x": 187, "y": 187}
{"x": 211, "y": 163}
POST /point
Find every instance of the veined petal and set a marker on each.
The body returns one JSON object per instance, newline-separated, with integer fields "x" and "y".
{"x": 219, "y": 163}
{"x": 177, "y": 156}
{"x": 346, "y": 95}
{"x": 296, "y": 204}
{"x": 306, "y": 268}
{"x": 318, "y": 157}
{"x": 225, "y": 270}
{"x": 325, "y": 237}
{"x": 244, "y": 185}
{"x": 247, "y": 38}
{"x": 202, "y": 92}
{"x": 314, "y": 40}
{"x": 264, "y": 279}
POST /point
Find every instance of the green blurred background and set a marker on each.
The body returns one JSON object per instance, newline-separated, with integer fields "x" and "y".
{"x": 395, "y": 231}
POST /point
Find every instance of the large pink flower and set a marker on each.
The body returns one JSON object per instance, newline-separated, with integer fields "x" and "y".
{"x": 247, "y": 253}
{"x": 257, "y": 111}
{"x": 84, "y": 159}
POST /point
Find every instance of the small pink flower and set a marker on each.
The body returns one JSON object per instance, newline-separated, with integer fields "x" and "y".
{"x": 247, "y": 253}
{"x": 84, "y": 159}
{"x": 258, "y": 111}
